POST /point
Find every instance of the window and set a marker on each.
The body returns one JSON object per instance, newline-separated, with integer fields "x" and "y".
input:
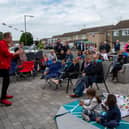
{"x": 83, "y": 36}
{"x": 116, "y": 33}
{"x": 108, "y": 34}
{"x": 76, "y": 37}
{"x": 125, "y": 32}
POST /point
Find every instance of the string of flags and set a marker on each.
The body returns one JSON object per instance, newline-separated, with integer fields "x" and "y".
{"x": 9, "y": 26}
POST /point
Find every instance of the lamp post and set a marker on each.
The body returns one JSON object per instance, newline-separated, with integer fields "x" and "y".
{"x": 25, "y": 16}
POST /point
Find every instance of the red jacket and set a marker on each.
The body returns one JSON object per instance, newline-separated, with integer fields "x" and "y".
{"x": 5, "y": 55}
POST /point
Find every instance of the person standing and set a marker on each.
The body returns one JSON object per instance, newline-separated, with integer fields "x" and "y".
{"x": 5, "y": 62}
{"x": 58, "y": 48}
{"x": 65, "y": 47}
{"x": 117, "y": 46}
{"x": 82, "y": 46}
{"x": 105, "y": 46}
{"x": 22, "y": 55}
{"x": 126, "y": 48}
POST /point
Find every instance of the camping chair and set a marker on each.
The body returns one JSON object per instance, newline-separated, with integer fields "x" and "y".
{"x": 123, "y": 75}
{"x": 68, "y": 81}
{"x": 106, "y": 70}
{"x": 26, "y": 67}
{"x": 70, "y": 78}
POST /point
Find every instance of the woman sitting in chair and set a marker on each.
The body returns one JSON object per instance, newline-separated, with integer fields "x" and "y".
{"x": 93, "y": 72}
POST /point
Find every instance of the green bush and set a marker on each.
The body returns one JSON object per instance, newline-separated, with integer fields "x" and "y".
{"x": 40, "y": 45}
{"x": 27, "y": 38}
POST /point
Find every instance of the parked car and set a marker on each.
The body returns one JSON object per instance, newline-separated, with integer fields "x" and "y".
{"x": 27, "y": 49}
{"x": 12, "y": 49}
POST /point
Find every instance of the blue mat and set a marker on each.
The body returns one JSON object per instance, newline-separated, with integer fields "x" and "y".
{"x": 76, "y": 110}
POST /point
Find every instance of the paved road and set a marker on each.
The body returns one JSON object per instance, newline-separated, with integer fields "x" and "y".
{"x": 34, "y": 108}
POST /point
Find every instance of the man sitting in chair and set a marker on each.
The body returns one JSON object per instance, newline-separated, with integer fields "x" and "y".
{"x": 53, "y": 70}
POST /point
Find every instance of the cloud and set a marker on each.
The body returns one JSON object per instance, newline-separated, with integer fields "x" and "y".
{"x": 52, "y": 17}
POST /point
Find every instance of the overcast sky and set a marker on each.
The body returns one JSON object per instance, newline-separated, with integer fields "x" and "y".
{"x": 52, "y": 17}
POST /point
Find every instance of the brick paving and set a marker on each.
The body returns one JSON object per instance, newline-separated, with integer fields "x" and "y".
{"x": 34, "y": 107}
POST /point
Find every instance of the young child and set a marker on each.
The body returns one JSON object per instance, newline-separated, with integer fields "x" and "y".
{"x": 112, "y": 117}
{"x": 90, "y": 104}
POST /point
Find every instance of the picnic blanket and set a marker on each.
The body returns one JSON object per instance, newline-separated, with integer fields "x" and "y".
{"x": 75, "y": 110}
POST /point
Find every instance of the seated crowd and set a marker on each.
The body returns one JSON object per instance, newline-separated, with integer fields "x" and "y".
{"x": 61, "y": 63}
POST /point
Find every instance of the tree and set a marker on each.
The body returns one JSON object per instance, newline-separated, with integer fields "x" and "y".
{"x": 27, "y": 38}
{"x": 40, "y": 45}
{"x": 1, "y": 35}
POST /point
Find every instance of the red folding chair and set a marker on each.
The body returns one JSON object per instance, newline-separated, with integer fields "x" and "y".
{"x": 26, "y": 67}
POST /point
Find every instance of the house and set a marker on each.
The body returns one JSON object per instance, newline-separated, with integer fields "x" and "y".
{"x": 71, "y": 36}
{"x": 121, "y": 32}
{"x": 95, "y": 35}
{"x": 98, "y": 34}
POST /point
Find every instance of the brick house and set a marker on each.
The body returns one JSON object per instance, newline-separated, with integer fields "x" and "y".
{"x": 99, "y": 34}
{"x": 121, "y": 32}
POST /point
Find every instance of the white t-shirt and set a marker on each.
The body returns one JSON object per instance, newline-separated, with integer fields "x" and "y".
{"x": 105, "y": 56}
{"x": 90, "y": 104}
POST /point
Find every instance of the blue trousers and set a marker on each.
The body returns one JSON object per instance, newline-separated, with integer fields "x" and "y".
{"x": 82, "y": 83}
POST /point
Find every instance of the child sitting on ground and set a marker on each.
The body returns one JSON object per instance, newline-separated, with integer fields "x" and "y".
{"x": 112, "y": 117}
{"x": 90, "y": 105}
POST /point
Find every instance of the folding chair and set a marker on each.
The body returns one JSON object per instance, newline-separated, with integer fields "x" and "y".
{"x": 68, "y": 77}
{"x": 69, "y": 80}
{"x": 26, "y": 67}
{"x": 106, "y": 70}
{"x": 105, "y": 84}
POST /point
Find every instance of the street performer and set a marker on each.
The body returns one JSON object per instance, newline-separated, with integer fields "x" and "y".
{"x": 5, "y": 62}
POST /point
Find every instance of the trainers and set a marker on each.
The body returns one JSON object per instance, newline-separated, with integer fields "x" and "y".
{"x": 85, "y": 117}
{"x": 85, "y": 90}
{"x": 73, "y": 96}
{"x": 6, "y": 102}
{"x": 9, "y": 96}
